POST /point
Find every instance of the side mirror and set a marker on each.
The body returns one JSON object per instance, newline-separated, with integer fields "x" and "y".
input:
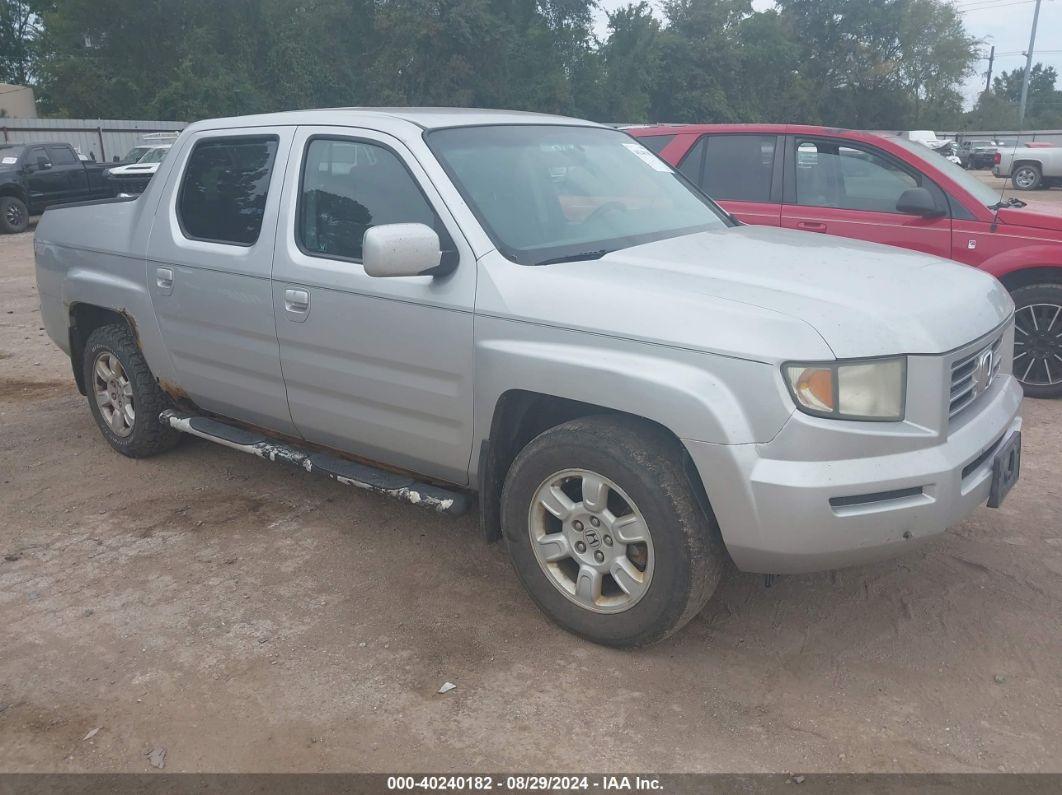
{"x": 401, "y": 250}
{"x": 115, "y": 159}
{"x": 918, "y": 201}
{"x": 43, "y": 162}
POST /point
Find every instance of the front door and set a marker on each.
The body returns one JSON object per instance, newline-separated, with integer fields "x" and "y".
{"x": 376, "y": 367}
{"x": 842, "y": 188}
{"x": 44, "y": 183}
{"x": 209, "y": 257}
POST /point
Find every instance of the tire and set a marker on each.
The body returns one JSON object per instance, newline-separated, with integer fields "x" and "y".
{"x": 680, "y": 564}
{"x": 1027, "y": 177}
{"x": 1038, "y": 339}
{"x": 14, "y": 215}
{"x": 135, "y": 429}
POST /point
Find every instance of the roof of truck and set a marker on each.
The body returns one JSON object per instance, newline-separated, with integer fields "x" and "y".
{"x": 422, "y": 118}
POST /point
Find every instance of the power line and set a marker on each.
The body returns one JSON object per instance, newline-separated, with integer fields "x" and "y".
{"x": 994, "y": 7}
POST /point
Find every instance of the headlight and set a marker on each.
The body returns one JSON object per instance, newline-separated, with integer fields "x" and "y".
{"x": 871, "y": 389}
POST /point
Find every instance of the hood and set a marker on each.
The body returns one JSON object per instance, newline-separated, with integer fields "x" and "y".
{"x": 762, "y": 293}
{"x": 1041, "y": 216}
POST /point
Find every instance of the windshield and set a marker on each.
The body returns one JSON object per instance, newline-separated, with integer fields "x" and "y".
{"x": 134, "y": 154}
{"x": 153, "y": 156}
{"x": 549, "y": 193}
{"x": 983, "y": 193}
{"x": 9, "y": 154}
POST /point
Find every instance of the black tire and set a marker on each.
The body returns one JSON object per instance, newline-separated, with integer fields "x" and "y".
{"x": 148, "y": 436}
{"x": 1041, "y": 341}
{"x": 1036, "y": 176}
{"x": 14, "y": 215}
{"x": 647, "y": 464}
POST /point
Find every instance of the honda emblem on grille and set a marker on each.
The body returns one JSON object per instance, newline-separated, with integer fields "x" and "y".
{"x": 982, "y": 374}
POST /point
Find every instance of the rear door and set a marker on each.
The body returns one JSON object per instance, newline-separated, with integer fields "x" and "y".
{"x": 741, "y": 171}
{"x": 377, "y": 367}
{"x": 69, "y": 174}
{"x": 850, "y": 189}
{"x": 209, "y": 259}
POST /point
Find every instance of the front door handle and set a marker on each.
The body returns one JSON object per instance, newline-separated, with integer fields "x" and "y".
{"x": 811, "y": 226}
{"x": 297, "y": 304}
{"x": 164, "y": 280}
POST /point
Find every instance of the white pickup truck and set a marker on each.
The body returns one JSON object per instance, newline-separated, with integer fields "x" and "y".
{"x": 430, "y": 303}
{"x": 1030, "y": 167}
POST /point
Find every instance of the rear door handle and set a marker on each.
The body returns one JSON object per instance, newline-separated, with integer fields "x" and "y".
{"x": 297, "y": 304}
{"x": 164, "y": 280}
{"x": 811, "y": 226}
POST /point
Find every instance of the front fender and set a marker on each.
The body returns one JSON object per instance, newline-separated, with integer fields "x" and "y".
{"x": 699, "y": 396}
{"x": 1047, "y": 255}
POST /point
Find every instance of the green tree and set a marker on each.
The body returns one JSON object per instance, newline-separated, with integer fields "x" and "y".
{"x": 1044, "y": 104}
{"x": 881, "y": 63}
{"x": 18, "y": 34}
{"x": 630, "y": 59}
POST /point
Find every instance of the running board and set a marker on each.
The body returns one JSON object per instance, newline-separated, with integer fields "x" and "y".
{"x": 350, "y": 473}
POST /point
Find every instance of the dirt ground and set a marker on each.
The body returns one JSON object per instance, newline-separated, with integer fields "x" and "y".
{"x": 244, "y": 616}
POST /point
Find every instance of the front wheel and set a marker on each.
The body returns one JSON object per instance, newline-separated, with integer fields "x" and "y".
{"x": 1026, "y": 177}
{"x": 606, "y": 533}
{"x": 14, "y": 215}
{"x": 1038, "y": 339}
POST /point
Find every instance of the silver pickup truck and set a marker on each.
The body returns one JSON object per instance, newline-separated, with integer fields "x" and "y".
{"x": 1029, "y": 167}
{"x": 434, "y": 304}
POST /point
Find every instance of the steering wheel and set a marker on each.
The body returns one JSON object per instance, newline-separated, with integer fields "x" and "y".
{"x": 605, "y": 209}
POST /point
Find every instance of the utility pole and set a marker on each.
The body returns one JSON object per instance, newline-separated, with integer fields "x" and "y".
{"x": 991, "y": 60}
{"x": 1028, "y": 67}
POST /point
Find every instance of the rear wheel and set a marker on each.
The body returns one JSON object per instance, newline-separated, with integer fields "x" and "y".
{"x": 14, "y": 215}
{"x": 1027, "y": 177}
{"x": 1038, "y": 339}
{"x": 606, "y": 533}
{"x": 123, "y": 395}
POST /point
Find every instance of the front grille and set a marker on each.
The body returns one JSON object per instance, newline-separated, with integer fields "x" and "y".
{"x": 970, "y": 379}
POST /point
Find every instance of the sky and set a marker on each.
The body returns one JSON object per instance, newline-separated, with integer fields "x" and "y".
{"x": 1004, "y": 23}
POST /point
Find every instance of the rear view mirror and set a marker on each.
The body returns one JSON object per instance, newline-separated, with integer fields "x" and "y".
{"x": 918, "y": 201}
{"x": 401, "y": 250}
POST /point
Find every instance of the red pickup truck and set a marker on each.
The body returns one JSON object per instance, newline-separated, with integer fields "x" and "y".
{"x": 887, "y": 190}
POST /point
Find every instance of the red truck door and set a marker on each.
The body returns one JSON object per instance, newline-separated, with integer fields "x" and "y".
{"x": 741, "y": 171}
{"x": 851, "y": 189}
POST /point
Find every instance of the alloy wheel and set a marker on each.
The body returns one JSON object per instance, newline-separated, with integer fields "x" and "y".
{"x": 1038, "y": 344}
{"x": 591, "y": 541}
{"x": 15, "y": 216}
{"x": 114, "y": 394}
{"x": 1024, "y": 178}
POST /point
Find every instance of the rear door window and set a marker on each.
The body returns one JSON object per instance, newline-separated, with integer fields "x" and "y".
{"x": 739, "y": 167}
{"x": 223, "y": 192}
{"x": 61, "y": 156}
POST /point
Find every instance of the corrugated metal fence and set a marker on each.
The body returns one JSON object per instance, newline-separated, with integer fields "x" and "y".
{"x": 1026, "y": 136}
{"x": 102, "y": 139}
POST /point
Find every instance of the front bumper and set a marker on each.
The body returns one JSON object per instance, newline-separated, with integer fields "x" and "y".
{"x": 785, "y": 516}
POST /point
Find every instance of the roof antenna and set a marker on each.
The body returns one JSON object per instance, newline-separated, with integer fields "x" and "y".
{"x": 1021, "y": 115}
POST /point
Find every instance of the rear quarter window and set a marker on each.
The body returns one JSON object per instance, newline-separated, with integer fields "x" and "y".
{"x": 655, "y": 143}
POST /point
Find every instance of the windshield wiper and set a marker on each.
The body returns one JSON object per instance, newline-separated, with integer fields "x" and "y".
{"x": 576, "y": 257}
{"x": 1010, "y": 202}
